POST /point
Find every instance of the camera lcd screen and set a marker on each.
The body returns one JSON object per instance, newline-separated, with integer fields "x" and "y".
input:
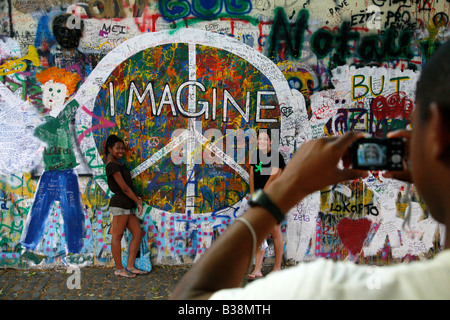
{"x": 371, "y": 155}
{"x": 377, "y": 154}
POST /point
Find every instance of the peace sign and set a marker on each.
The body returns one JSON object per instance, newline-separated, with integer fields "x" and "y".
{"x": 203, "y": 85}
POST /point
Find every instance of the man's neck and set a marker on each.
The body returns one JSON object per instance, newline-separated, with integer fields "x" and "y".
{"x": 447, "y": 232}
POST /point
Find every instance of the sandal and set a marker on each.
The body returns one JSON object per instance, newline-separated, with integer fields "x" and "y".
{"x": 136, "y": 271}
{"x": 127, "y": 274}
{"x": 253, "y": 276}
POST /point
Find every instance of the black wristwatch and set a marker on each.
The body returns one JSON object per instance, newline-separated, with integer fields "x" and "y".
{"x": 259, "y": 198}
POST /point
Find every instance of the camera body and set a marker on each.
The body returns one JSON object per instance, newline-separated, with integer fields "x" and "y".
{"x": 377, "y": 154}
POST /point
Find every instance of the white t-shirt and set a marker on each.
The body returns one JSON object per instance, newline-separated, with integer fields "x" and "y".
{"x": 325, "y": 279}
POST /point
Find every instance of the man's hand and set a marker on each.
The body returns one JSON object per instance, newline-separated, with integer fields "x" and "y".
{"x": 313, "y": 167}
{"x": 404, "y": 175}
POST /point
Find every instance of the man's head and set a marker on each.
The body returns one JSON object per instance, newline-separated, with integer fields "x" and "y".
{"x": 430, "y": 142}
{"x": 434, "y": 82}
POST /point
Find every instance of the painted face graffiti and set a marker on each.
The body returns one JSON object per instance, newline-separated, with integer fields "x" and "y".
{"x": 53, "y": 96}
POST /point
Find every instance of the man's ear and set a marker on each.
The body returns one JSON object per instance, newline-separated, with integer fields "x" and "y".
{"x": 439, "y": 134}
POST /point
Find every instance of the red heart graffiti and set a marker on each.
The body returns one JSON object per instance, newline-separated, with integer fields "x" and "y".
{"x": 353, "y": 233}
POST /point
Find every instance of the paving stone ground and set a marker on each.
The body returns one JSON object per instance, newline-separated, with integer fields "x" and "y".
{"x": 96, "y": 283}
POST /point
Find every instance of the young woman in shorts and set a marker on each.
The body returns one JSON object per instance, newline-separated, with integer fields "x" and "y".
{"x": 121, "y": 207}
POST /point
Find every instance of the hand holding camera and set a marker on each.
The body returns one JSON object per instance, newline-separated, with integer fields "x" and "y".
{"x": 313, "y": 167}
{"x": 389, "y": 154}
{"x": 377, "y": 154}
{"x": 315, "y": 164}
{"x": 405, "y": 174}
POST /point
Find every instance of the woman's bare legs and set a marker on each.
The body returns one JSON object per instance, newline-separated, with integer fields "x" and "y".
{"x": 119, "y": 225}
{"x": 137, "y": 233}
{"x": 278, "y": 247}
{"x": 259, "y": 257}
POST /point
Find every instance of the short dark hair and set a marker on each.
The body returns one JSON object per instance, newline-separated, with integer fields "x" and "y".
{"x": 266, "y": 131}
{"x": 434, "y": 83}
{"x": 110, "y": 142}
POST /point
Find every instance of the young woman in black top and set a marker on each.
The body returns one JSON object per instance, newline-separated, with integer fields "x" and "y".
{"x": 261, "y": 175}
{"x": 121, "y": 205}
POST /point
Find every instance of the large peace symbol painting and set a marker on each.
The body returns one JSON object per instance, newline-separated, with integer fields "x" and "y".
{"x": 176, "y": 98}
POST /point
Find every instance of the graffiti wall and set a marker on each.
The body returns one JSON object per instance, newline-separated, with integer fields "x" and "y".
{"x": 187, "y": 84}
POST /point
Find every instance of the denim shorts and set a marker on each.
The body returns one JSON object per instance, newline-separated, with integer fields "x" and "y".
{"x": 115, "y": 211}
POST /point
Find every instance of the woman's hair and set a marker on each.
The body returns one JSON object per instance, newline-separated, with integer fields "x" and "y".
{"x": 266, "y": 131}
{"x": 110, "y": 142}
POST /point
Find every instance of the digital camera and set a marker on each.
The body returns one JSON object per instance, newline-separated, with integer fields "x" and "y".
{"x": 377, "y": 154}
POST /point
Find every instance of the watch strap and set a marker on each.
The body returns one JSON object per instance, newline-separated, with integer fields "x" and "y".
{"x": 260, "y": 198}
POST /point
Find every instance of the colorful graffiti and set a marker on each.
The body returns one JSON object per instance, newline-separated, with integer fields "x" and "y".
{"x": 185, "y": 83}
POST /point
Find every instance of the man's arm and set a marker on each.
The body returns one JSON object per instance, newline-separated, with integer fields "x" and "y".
{"x": 313, "y": 167}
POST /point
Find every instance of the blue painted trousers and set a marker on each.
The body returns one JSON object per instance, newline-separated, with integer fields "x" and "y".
{"x": 62, "y": 186}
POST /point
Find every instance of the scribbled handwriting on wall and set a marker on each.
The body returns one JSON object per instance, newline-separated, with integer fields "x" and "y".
{"x": 337, "y": 44}
{"x": 189, "y": 207}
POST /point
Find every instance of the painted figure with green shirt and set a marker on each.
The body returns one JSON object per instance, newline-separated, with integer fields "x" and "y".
{"x": 59, "y": 182}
